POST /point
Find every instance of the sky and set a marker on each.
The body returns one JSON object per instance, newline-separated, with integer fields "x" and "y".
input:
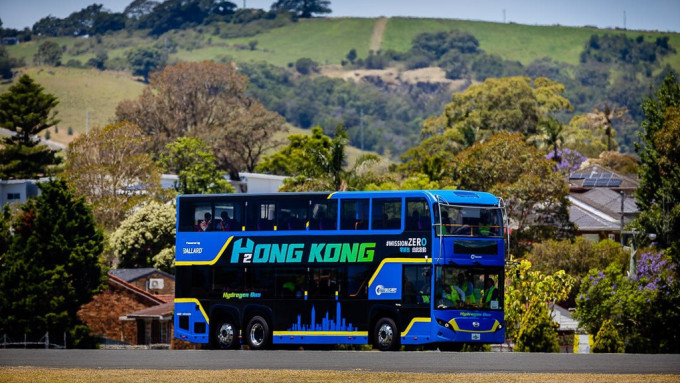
{"x": 661, "y": 15}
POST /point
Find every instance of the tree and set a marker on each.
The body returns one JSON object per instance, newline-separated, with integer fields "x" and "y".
{"x": 143, "y": 235}
{"x": 302, "y": 8}
{"x": 658, "y": 196}
{"x": 535, "y": 194}
{"x": 552, "y": 130}
{"x": 642, "y": 308}
{"x": 608, "y": 339}
{"x": 108, "y": 167}
{"x": 209, "y": 101}
{"x": 52, "y": 267}
{"x": 527, "y": 294}
{"x": 145, "y": 60}
{"x": 604, "y": 119}
{"x": 49, "y": 53}
{"x": 513, "y": 104}
{"x": 26, "y": 110}
{"x": 194, "y": 163}
{"x": 313, "y": 162}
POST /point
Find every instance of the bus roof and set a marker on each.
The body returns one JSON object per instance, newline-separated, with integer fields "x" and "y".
{"x": 443, "y": 196}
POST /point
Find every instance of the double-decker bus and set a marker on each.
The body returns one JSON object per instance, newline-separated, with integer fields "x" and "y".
{"x": 385, "y": 268}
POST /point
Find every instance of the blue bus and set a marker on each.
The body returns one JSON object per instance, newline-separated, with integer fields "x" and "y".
{"x": 385, "y": 268}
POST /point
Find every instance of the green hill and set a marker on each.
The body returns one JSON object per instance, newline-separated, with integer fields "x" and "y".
{"x": 326, "y": 41}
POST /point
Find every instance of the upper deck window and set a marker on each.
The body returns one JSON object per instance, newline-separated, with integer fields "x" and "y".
{"x": 354, "y": 214}
{"x": 469, "y": 221}
{"x": 386, "y": 214}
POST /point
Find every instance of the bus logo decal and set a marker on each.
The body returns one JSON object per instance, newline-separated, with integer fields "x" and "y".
{"x": 246, "y": 251}
{"x": 380, "y": 289}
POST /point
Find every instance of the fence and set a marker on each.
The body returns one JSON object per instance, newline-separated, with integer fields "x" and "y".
{"x": 8, "y": 342}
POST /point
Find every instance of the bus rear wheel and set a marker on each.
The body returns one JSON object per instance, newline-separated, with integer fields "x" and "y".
{"x": 225, "y": 336}
{"x": 258, "y": 335}
{"x": 386, "y": 335}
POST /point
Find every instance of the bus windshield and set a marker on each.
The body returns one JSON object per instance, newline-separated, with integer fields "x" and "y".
{"x": 468, "y": 288}
{"x": 469, "y": 221}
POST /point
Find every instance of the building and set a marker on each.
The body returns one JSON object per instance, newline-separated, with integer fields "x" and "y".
{"x": 602, "y": 202}
{"x": 134, "y": 309}
{"x": 18, "y": 191}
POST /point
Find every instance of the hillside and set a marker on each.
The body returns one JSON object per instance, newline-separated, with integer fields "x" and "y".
{"x": 327, "y": 42}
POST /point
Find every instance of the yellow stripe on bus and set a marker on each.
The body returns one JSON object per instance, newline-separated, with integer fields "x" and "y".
{"x": 194, "y": 300}
{"x": 414, "y": 321}
{"x": 397, "y": 260}
{"x": 453, "y": 324}
{"x": 203, "y": 263}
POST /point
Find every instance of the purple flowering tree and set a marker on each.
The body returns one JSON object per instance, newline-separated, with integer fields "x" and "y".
{"x": 644, "y": 309}
{"x": 567, "y": 160}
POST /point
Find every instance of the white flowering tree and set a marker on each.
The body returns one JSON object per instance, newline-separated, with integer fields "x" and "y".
{"x": 145, "y": 237}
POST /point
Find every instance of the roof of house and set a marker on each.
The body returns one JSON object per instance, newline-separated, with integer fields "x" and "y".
{"x": 563, "y": 318}
{"x": 153, "y": 299}
{"x": 131, "y": 275}
{"x": 608, "y": 202}
{"x": 588, "y": 218}
{"x": 597, "y": 176}
{"x": 162, "y": 311}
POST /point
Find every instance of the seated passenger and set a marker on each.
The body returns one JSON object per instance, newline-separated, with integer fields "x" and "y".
{"x": 206, "y": 225}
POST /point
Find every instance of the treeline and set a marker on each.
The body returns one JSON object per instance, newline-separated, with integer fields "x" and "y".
{"x": 614, "y": 70}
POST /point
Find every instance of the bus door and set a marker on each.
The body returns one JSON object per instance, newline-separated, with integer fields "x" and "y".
{"x": 416, "y": 300}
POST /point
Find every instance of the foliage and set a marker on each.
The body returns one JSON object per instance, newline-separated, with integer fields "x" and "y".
{"x": 194, "y": 163}
{"x": 377, "y": 117}
{"x": 143, "y": 235}
{"x": 26, "y": 110}
{"x": 302, "y": 8}
{"x": 534, "y": 193}
{"x": 658, "y": 196}
{"x": 108, "y": 167}
{"x": 527, "y": 292}
{"x": 7, "y": 64}
{"x": 314, "y": 162}
{"x": 643, "y": 309}
{"x": 51, "y": 267}
{"x": 145, "y": 60}
{"x": 208, "y": 101}
{"x": 619, "y": 48}
{"x": 569, "y": 160}
{"x": 306, "y": 66}
{"x": 165, "y": 260}
{"x": 49, "y": 53}
{"x": 537, "y": 331}
{"x": 608, "y": 339}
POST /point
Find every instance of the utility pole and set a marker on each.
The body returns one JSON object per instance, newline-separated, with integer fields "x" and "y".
{"x": 503, "y": 15}
{"x": 623, "y": 197}
{"x": 624, "y": 19}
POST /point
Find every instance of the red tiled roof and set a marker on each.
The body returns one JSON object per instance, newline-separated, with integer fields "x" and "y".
{"x": 161, "y": 311}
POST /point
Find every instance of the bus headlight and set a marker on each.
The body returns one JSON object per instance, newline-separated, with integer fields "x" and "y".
{"x": 444, "y": 324}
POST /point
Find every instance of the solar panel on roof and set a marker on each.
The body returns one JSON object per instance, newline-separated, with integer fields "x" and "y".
{"x": 577, "y": 176}
{"x": 601, "y": 182}
{"x": 614, "y": 182}
{"x": 589, "y": 182}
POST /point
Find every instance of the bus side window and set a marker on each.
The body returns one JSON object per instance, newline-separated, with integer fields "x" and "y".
{"x": 354, "y": 214}
{"x": 386, "y": 214}
{"x": 323, "y": 215}
{"x": 418, "y": 214}
{"x": 261, "y": 216}
{"x": 292, "y": 214}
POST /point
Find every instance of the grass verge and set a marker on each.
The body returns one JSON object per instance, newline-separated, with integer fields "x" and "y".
{"x": 28, "y": 374}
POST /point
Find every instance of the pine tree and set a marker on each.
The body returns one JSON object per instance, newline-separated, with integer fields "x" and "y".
{"x": 26, "y": 110}
{"x": 51, "y": 267}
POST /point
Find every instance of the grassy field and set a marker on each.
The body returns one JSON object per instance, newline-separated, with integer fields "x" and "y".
{"x": 327, "y": 41}
{"x": 83, "y": 90}
{"x": 26, "y": 374}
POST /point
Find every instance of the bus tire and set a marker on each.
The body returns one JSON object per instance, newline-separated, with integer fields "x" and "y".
{"x": 225, "y": 335}
{"x": 258, "y": 336}
{"x": 386, "y": 335}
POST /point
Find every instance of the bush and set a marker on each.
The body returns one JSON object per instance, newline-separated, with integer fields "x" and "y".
{"x": 608, "y": 339}
{"x": 306, "y": 66}
{"x": 537, "y": 331}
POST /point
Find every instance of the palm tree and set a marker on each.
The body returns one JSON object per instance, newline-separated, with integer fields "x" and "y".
{"x": 605, "y": 117}
{"x": 552, "y": 130}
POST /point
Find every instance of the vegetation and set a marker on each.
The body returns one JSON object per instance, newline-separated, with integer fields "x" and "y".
{"x": 50, "y": 267}
{"x": 108, "y": 166}
{"x": 142, "y": 236}
{"x": 26, "y": 111}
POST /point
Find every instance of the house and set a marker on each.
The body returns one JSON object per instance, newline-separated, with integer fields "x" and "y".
{"x": 132, "y": 310}
{"x": 12, "y": 191}
{"x": 602, "y": 202}
{"x": 247, "y": 182}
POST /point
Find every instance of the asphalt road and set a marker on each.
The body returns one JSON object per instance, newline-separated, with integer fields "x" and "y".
{"x": 427, "y": 361}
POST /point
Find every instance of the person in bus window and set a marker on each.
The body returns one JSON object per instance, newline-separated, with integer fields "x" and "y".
{"x": 226, "y": 224}
{"x": 490, "y": 292}
{"x": 207, "y": 222}
{"x": 465, "y": 285}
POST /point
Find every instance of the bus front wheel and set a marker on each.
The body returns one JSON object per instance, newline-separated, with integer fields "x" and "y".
{"x": 257, "y": 333}
{"x": 386, "y": 335}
